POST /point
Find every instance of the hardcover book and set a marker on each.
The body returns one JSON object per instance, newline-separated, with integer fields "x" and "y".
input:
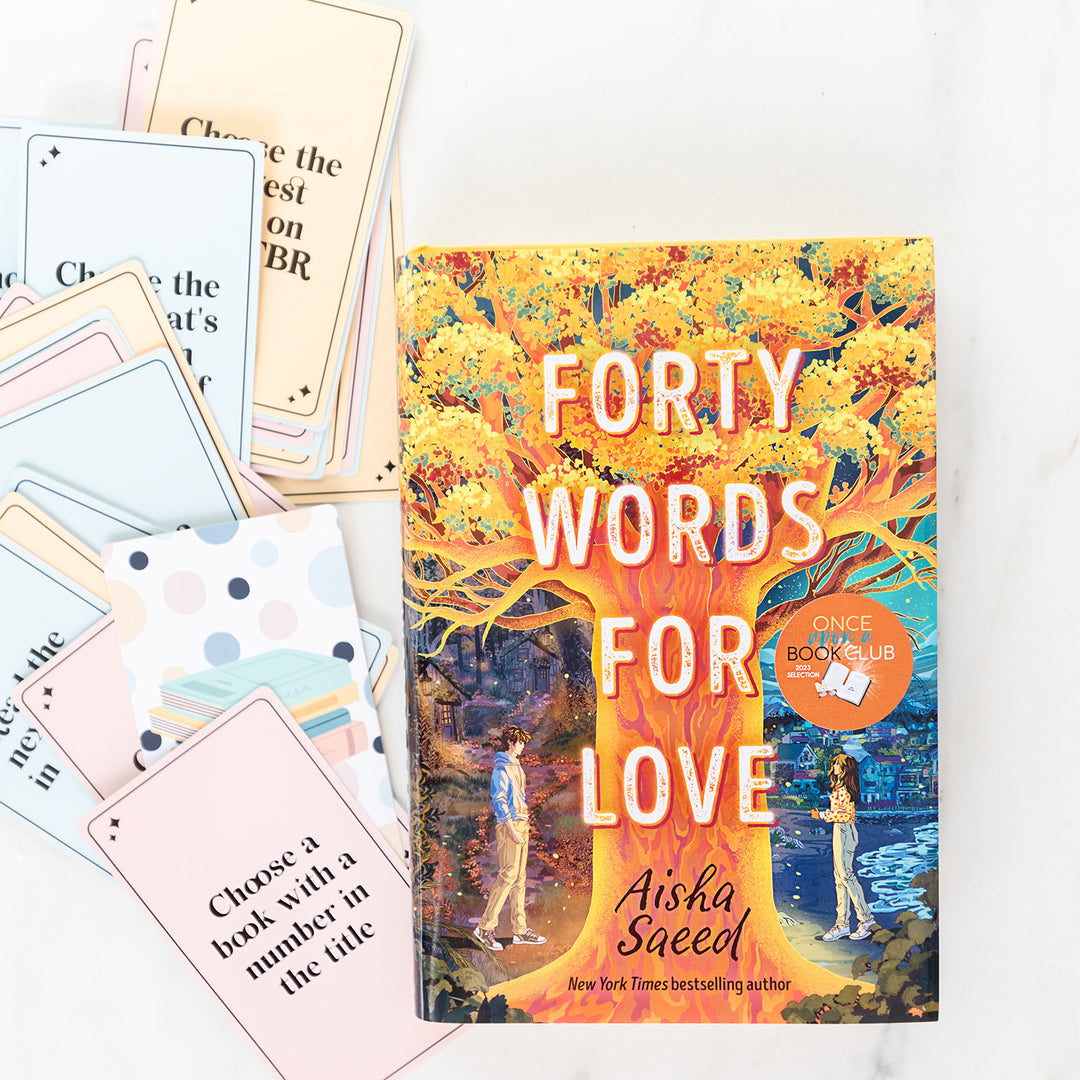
{"x": 670, "y": 595}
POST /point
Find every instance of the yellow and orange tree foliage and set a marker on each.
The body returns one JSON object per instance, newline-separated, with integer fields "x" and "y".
{"x": 475, "y": 326}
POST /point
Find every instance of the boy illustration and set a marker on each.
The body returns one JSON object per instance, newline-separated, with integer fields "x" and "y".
{"x": 512, "y": 840}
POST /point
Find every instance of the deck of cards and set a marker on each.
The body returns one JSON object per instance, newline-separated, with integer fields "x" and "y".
{"x": 196, "y": 335}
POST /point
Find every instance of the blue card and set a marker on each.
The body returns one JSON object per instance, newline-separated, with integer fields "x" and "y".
{"x": 45, "y": 611}
{"x": 189, "y": 209}
{"x": 132, "y": 436}
{"x": 92, "y": 520}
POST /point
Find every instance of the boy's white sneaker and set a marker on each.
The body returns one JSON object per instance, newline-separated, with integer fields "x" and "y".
{"x": 529, "y": 937}
{"x": 488, "y": 938}
{"x": 863, "y": 931}
{"x": 835, "y": 933}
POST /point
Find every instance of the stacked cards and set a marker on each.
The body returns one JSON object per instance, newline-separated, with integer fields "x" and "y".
{"x": 100, "y": 414}
{"x": 213, "y": 71}
{"x": 260, "y": 210}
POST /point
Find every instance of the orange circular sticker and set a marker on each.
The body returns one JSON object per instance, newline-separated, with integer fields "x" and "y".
{"x": 844, "y": 662}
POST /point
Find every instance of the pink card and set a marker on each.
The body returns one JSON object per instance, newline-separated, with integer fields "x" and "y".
{"x": 81, "y": 702}
{"x": 277, "y": 433}
{"x": 266, "y": 498}
{"x": 252, "y": 858}
{"x": 17, "y": 298}
{"x": 136, "y": 81}
{"x": 71, "y": 358}
{"x": 345, "y": 430}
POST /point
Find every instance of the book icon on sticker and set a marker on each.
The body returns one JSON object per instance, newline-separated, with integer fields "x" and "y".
{"x": 840, "y": 681}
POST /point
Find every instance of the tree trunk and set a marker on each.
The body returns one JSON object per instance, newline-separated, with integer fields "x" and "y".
{"x": 678, "y": 849}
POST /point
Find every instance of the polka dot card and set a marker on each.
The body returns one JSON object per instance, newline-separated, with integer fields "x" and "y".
{"x": 206, "y": 616}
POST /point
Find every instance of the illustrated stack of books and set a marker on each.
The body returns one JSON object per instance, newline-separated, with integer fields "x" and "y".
{"x": 315, "y": 689}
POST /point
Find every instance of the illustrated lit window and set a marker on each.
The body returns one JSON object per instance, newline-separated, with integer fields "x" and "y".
{"x": 444, "y": 717}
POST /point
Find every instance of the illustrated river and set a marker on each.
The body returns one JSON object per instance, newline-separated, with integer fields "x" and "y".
{"x": 888, "y": 870}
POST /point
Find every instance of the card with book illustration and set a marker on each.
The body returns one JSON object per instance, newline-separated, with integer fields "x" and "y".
{"x": 278, "y": 891}
{"x": 188, "y": 209}
{"x": 327, "y": 129}
{"x": 205, "y": 615}
{"x": 81, "y": 699}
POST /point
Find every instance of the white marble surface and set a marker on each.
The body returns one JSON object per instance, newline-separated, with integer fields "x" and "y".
{"x": 627, "y": 121}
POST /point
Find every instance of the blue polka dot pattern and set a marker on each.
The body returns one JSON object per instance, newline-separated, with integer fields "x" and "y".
{"x": 328, "y": 578}
{"x": 150, "y": 740}
{"x": 377, "y": 744}
{"x": 221, "y": 648}
{"x": 139, "y": 560}
{"x": 264, "y": 553}
{"x": 218, "y": 534}
{"x": 344, "y": 651}
{"x": 239, "y": 588}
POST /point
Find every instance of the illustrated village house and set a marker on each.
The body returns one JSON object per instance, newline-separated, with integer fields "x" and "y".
{"x": 796, "y": 769}
{"x": 530, "y": 665}
{"x": 904, "y": 780}
{"x": 440, "y": 698}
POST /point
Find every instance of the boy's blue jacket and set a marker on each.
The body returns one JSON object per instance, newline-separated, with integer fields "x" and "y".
{"x": 508, "y": 790}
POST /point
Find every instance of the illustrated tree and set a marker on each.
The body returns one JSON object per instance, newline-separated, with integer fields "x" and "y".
{"x": 475, "y": 327}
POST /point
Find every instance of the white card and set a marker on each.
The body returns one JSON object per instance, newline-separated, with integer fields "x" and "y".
{"x": 189, "y": 209}
{"x": 270, "y": 597}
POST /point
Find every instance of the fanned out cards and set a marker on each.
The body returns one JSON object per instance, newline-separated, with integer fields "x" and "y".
{"x": 108, "y": 445}
{"x": 197, "y": 332}
{"x": 327, "y": 133}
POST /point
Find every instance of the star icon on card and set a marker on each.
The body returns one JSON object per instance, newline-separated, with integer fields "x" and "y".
{"x": 46, "y": 691}
{"x": 304, "y": 391}
{"x": 114, "y": 823}
{"x": 55, "y": 153}
{"x": 389, "y": 466}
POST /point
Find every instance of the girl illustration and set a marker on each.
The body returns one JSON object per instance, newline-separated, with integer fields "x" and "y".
{"x": 843, "y": 797}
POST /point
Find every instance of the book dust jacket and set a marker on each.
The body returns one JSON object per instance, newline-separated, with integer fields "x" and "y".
{"x": 670, "y": 594}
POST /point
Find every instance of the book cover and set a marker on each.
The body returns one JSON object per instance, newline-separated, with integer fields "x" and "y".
{"x": 651, "y": 495}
